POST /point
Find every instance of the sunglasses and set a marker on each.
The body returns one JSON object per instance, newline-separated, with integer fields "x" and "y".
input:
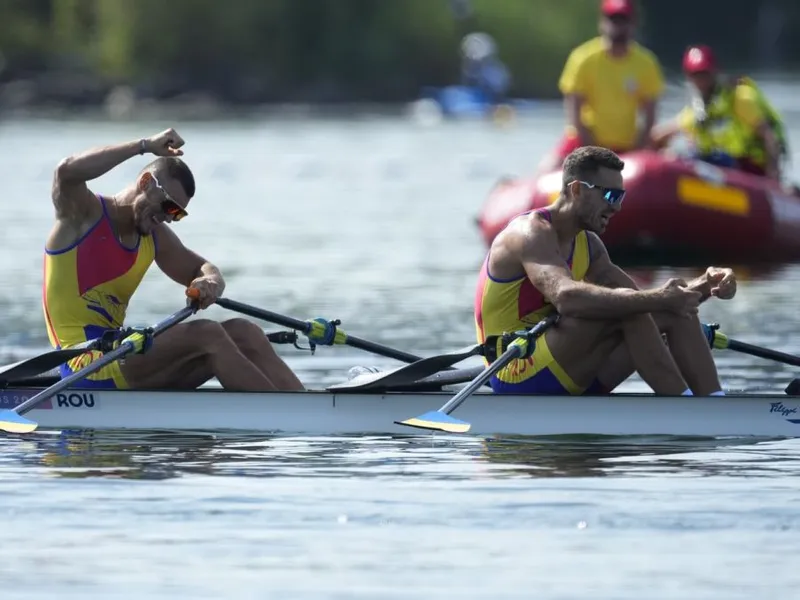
{"x": 613, "y": 196}
{"x": 171, "y": 208}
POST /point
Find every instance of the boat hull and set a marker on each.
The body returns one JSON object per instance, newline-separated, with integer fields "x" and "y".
{"x": 675, "y": 210}
{"x": 323, "y": 412}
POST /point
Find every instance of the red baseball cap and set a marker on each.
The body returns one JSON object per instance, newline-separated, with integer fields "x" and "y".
{"x": 611, "y": 8}
{"x": 698, "y": 59}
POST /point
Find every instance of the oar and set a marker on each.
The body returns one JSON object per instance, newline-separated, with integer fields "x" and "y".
{"x": 723, "y": 342}
{"x": 36, "y": 365}
{"x": 315, "y": 328}
{"x": 12, "y": 421}
{"x": 407, "y": 374}
{"x": 440, "y": 420}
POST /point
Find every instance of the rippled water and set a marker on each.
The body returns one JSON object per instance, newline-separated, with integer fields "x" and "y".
{"x": 195, "y": 516}
{"x": 370, "y": 221}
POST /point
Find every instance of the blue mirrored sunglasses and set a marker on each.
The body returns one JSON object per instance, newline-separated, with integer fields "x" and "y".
{"x": 613, "y": 196}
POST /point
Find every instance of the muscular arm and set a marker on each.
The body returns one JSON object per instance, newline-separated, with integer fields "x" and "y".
{"x": 605, "y": 273}
{"x": 71, "y": 197}
{"x": 538, "y": 252}
{"x": 602, "y": 271}
{"x": 181, "y": 264}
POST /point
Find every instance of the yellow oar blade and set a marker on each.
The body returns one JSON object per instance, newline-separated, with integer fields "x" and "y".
{"x": 11, "y": 422}
{"x": 437, "y": 421}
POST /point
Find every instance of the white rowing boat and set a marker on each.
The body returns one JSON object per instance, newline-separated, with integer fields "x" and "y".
{"x": 326, "y": 412}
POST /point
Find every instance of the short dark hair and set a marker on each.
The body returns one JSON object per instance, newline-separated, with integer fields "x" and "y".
{"x": 586, "y": 161}
{"x": 174, "y": 168}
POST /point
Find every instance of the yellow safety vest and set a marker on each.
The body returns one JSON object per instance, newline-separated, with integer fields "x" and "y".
{"x": 720, "y": 130}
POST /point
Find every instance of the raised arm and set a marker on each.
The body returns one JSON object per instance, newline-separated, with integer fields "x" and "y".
{"x": 549, "y": 274}
{"x": 71, "y": 196}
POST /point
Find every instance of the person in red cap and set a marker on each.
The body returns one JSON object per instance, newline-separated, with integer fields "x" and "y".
{"x": 606, "y": 82}
{"x": 729, "y": 121}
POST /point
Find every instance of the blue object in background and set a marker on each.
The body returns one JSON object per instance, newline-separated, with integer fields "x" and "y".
{"x": 465, "y": 101}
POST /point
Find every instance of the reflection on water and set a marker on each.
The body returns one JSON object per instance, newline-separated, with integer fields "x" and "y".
{"x": 165, "y": 455}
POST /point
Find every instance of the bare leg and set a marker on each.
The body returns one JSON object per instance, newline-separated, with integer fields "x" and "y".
{"x": 192, "y": 352}
{"x": 688, "y": 346}
{"x": 582, "y": 348}
{"x": 651, "y": 358}
{"x": 252, "y": 342}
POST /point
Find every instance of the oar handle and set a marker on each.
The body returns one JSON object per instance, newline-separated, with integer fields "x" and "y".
{"x": 305, "y": 327}
{"x": 108, "y": 358}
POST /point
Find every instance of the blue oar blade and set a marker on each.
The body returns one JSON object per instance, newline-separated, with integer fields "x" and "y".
{"x": 437, "y": 421}
{"x": 12, "y": 422}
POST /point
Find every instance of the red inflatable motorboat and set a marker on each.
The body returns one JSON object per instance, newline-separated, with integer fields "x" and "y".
{"x": 676, "y": 210}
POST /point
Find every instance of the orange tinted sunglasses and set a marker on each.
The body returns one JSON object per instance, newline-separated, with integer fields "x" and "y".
{"x": 171, "y": 208}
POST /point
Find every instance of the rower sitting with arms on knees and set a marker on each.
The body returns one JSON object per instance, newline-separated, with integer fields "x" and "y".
{"x": 100, "y": 249}
{"x": 730, "y": 123}
{"x": 552, "y": 259}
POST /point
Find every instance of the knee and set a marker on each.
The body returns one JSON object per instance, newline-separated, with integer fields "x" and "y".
{"x": 244, "y": 332}
{"x": 209, "y": 335}
{"x": 592, "y": 328}
{"x": 667, "y": 322}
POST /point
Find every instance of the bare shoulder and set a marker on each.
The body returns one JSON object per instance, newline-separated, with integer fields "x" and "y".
{"x": 523, "y": 237}
{"x": 72, "y": 199}
{"x": 597, "y": 249}
{"x": 71, "y": 227}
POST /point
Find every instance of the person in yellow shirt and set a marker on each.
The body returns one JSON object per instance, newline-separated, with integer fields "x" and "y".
{"x": 729, "y": 122}
{"x": 607, "y": 82}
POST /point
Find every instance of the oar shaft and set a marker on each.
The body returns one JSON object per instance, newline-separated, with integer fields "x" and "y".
{"x": 514, "y": 351}
{"x": 303, "y": 326}
{"x": 106, "y": 359}
{"x": 766, "y": 353}
{"x": 266, "y": 315}
{"x": 64, "y": 383}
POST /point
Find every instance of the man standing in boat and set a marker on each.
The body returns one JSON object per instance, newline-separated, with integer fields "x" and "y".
{"x": 100, "y": 249}
{"x": 552, "y": 259}
{"x": 730, "y": 123}
{"x": 607, "y": 82}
